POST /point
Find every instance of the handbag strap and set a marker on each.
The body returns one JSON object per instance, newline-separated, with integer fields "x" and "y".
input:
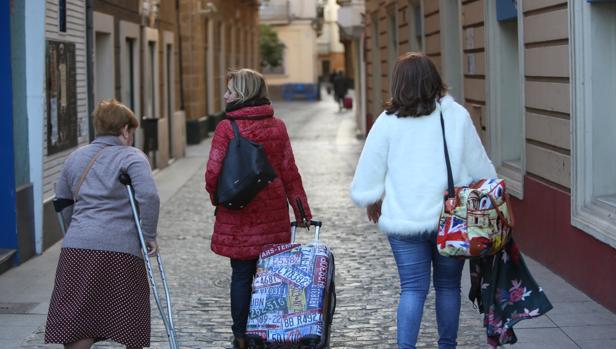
{"x": 85, "y": 172}
{"x": 236, "y": 130}
{"x": 450, "y": 185}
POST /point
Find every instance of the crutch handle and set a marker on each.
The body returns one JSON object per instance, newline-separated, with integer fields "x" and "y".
{"x": 59, "y": 204}
{"x": 124, "y": 178}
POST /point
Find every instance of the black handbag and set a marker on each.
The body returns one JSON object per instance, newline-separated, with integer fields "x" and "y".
{"x": 245, "y": 171}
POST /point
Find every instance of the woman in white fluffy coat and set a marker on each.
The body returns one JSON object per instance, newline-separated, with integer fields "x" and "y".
{"x": 401, "y": 178}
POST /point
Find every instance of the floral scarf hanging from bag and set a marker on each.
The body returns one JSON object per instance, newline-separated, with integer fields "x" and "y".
{"x": 505, "y": 293}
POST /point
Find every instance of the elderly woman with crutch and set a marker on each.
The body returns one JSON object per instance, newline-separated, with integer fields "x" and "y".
{"x": 101, "y": 290}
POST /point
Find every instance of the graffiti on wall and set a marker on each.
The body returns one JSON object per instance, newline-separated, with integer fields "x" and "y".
{"x": 61, "y": 96}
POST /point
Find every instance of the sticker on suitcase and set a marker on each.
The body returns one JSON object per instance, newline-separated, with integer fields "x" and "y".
{"x": 289, "y": 292}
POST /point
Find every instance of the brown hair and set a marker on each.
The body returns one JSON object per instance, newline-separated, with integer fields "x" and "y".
{"x": 110, "y": 117}
{"x": 415, "y": 86}
{"x": 247, "y": 84}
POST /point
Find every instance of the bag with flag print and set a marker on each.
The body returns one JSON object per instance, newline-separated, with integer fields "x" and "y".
{"x": 477, "y": 219}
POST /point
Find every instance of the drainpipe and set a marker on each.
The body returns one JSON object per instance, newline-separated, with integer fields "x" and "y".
{"x": 89, "y": 66}
{"x": 181, "y": 72}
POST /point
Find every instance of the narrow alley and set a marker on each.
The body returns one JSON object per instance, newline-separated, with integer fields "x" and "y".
{"x": 326, "y": 151}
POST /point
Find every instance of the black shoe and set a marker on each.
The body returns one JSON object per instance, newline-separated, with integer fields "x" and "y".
{"x": 239, "y": 343}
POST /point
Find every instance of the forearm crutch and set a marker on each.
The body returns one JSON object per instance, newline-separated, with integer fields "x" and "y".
{"x": 168, "y": 318}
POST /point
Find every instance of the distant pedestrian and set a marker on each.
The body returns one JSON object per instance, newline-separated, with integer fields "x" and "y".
{"x": 101, "y": 289}
{"x": 401, "y": 178}
{"x": 329, "y": 82}
{"x": 241, "y": 234}
{"x": 341, "y": 87}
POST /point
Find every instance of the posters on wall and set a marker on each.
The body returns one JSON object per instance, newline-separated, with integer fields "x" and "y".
{"x": 61, "y": 96}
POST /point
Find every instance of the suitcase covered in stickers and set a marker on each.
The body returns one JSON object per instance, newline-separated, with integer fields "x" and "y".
{"x": 293, "y": 297}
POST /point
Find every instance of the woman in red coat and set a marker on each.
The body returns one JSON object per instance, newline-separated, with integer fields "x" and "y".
{"x": 241, "y": 234}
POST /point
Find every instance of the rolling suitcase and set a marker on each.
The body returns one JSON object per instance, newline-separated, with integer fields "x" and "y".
{"x": 347, "y": 102}
{"x": 293, "y": 297}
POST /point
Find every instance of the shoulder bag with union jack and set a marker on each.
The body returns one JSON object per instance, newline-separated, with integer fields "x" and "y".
{"x": 477, "y": 219}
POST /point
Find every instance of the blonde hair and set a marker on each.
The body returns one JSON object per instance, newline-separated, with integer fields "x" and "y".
{"x": 110, "y": 117}
{"x": 247, "y": 84}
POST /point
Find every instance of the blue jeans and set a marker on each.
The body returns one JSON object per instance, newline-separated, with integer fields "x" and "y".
{"x": 414, "y": 256}
{"x": 241, "y": 291}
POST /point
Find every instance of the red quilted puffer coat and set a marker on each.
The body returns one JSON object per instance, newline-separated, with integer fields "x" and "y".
{"x": 241, "y": 234}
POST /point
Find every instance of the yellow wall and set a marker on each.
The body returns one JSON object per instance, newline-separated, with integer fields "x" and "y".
{"x": 300, "y": 54}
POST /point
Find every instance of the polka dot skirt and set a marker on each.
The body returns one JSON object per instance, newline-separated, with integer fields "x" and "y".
{"x": 101, "y": 295}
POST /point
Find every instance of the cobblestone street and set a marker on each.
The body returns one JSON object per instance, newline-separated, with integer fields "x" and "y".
{"x": 326, "y": 150}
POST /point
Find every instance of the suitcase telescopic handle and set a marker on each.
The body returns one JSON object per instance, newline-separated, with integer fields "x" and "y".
{"x": 317, "y": 229}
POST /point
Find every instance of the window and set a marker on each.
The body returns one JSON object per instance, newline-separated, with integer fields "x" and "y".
{"x": 130, "y": 71}
{"x": 169, "y": 90}
{"x": 62, "y": 15}
{"x": 415, "y": 25}
{"x": 504, "y": 96}
{"x": 593, "y": 81}
{"x": 130, "y": 64}
{"x": 150, "y": 83}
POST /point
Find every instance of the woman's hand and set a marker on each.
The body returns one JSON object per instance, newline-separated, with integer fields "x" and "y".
{"x": 152, "y": 247}
{"x": 374, "y": 211}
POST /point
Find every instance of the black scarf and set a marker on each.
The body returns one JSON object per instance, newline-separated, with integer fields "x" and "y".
{"x": 254, "y": 102}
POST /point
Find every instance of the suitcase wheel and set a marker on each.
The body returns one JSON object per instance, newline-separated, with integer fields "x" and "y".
{"x": 309, "y": 342}
{"x": 254, "y": 342}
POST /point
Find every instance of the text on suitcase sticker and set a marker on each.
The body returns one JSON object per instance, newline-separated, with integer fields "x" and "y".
{"x": 296, "y": 301}
{"x": 260, "y": 333}
{"x": 266, "y": 279}
{"x": 277, "y": 290}
{"x": 321, "y": 271}
{"x": 294, "y": 276}
{"x": 315, "y": 296}
{"x": 282, "y": 259}
{"x": 321, "y": 250}
{"x": 273, "y": 250}
{"x": 271, "y": 321}
{"x": 295, "y": 320}
{"x": 293, "y": 335}
{"x": 307, "y": 260}
{"x": 271, "y": 305}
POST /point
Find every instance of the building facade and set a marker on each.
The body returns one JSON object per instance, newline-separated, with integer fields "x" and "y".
{"x": 329, "y": 46}
{"x": 141, "y": 36}
{"x": 350, "y": 20}
{"x": 298, "y": 25}
{"x": 65, "y": 119}
{"x": 216, "y": 36}
{"x": 23, "y": 210}
{"x": 104, "y": 49}
{"x": 538, "y": 83}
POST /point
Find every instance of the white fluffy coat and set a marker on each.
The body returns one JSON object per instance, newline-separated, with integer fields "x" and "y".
{"x": 403, "y": 163}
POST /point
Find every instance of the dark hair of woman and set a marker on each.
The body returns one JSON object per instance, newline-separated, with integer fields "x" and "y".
{"x": 415, "y": 86}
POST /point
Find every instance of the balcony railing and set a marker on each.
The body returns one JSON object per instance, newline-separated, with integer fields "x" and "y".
{"x": 275, "y": 12}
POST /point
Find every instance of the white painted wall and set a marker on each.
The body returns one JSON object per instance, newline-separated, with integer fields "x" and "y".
{"x": 35, "y": 106}
{"x": 75, "y": 33}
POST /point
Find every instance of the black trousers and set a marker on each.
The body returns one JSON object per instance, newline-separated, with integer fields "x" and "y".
{"x": 241, "y": 291}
